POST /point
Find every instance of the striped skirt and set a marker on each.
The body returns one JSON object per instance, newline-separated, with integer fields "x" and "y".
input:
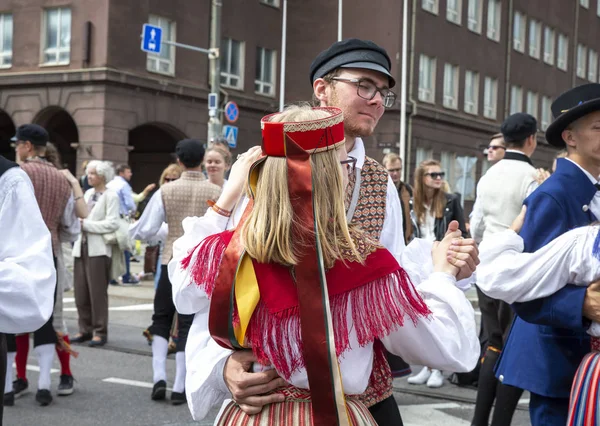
{"x": 294, "y": 411}
{"x": 584, "y": 403}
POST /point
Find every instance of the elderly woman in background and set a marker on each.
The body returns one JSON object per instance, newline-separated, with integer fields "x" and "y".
{"x": 92, "y": 255}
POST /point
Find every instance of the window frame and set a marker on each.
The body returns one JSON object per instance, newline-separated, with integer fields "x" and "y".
{"x": 519, "y": 90}
{"x": 263, "y": 83}
{"x": 549, "y": 57}
{"x": 172, "y": 37}
{"x": 520, "y": 41}
{"x": 584, "y": 3}
{"x": 592, "y": 62}
{"x": 490, "y": 110}
{"x": 546, "y": 113}
{"x": 228, "y": 75}
{"x": 581, "y": 70}
{"x": 435, "y": 6}
{"x": 535, "y": 45}
{"x": 473, "y": 109}
{"x": 536, "y": 108}
{"x": 477, "y": 26}
{"x": 276, "y": 3}
{"x": 451, "y": 101}
{"x": 429, "y": 96}
{"x": 4, "y": 53}
{"x": 497, "y": 29}
{"x": 58, "y": 50}
{"x": 458, "y": 12}
{"x": 559, "y": 58}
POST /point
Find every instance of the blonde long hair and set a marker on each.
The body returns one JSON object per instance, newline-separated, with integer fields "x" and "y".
{"x": 438, "y": 202}
{"x": 268, "y": 233}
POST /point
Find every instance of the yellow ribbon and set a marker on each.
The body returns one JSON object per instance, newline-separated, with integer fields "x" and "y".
{"x": 247, "y": 296}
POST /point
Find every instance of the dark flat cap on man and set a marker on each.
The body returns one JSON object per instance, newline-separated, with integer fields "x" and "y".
{"x": 571, "y": 106}
{"x": 190, "y": 151}
{"x": 352, "y": 53}
{"x": 518, "y": 127}
{"x": 33, "y": 133}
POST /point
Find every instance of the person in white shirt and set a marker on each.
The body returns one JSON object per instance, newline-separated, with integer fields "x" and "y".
{"x": 27, "y": 272}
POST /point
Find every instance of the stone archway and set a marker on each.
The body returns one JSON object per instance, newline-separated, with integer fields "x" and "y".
{"x": 63, "y": 132}
{"x": 152, "y": 147}
{"x": 7, "y": 131}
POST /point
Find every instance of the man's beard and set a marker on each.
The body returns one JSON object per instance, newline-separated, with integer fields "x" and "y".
{"x": 350, "y": 129}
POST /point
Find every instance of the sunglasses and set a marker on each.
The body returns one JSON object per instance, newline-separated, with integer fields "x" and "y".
{"x": 436, "y": 175}
{"x": 495, "y": 147}
{"x": 350, "y": 164}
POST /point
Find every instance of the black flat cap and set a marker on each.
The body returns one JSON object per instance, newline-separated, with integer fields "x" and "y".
{"x": 518, "y": 127}
{"x": 33, "y": 133}
{"x": 190, "y": 151}
{"x": 352, "y": 53}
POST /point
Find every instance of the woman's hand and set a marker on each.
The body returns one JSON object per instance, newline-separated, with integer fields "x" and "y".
{"x": 519, "y": 221}
{"x": 148, "y": 189}
{"x": 72, "y": 179}
{"x": 238, "y": 178}
{"x": 455, "y": 255}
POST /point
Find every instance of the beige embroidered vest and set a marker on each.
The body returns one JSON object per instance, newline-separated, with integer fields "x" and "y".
{"x": 185, "y": 197}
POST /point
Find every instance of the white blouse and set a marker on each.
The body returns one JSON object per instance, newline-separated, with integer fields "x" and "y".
{"x": 447, "y": 339}
{"x": 508, "y": 274}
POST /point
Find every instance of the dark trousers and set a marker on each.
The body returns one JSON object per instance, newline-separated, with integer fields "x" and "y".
{"x": 164, "y": 312}
{"x": 2, "y": 373}
{"x": 386, "y": 412}
{"x": 546, "y": 411}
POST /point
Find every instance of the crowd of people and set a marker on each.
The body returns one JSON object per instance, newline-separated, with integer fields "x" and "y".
{"x": 296, "y": 282}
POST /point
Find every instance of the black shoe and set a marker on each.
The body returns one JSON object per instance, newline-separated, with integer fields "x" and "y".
{"x": 159, "y": 391}
{"x": 9, "y": 399}
{"x": 20, "y": 386}
{"x": 178, "y": 398}
{"x": 44, "y": 397}
{"x": 66, "y": 385}
{"x": 81, "y": 337}
{"x": 97, "y": 343}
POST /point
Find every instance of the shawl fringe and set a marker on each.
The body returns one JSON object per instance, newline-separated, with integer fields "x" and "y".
{"x": 377, "y": 309}
{"x": 205, "y": 268}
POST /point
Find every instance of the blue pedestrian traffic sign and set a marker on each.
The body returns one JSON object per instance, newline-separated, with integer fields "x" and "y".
{"x": 151, "y": 38}
{"x": 232, "y": 112}
{"x": 230, "y": 133}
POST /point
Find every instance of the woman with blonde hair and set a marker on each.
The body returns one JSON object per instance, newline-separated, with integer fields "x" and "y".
{"x": 217, "y": 162}
{"x": 306, "y": 293}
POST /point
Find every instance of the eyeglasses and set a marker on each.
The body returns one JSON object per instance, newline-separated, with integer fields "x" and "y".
{"x": 350, "y": 164}
{"x": 495, "y": 147}
{"x": 366, "y": 89}
{"x": 398, "y": 170}
{"x": 436, "y": 175}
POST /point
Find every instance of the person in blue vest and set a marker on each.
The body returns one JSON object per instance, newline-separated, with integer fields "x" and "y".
{"x": 548, "y": 339}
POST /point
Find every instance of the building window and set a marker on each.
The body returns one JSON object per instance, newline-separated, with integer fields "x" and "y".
{"x": 592, "y": 66}
{"x": 585, "y": 3}
{"x": 274, "y": 3}
{"x": 6, "y": 36}
{"x": 535, "y": 38}
{"x": 430, "y": 6}
{"x": 264, "y": 83}
{"x": 546, "y": 112}
{"x": 516, "y": 99}
{"x": 598, "y": 9}
{"x": 57, "y": 36}
{"x": 519, "y": 32}
{"x": 474, "y": 16}
{"x": 471, "y": 92}
{"x": 423, "y": 154}
{"x": 490, "y": 97}
{"x": 451, "y": 86}
{"x": 163, "y": 63}
{"x": 427, "y": 79}
{"x": 447, "y": 161}
{"x": 454, "y": 11}
{"x": 493, "y": 19}
{"x": 549, "y": 40}
{"x": 232, "y": 58}
{"x": 563, "y": 52}
{"x": 532, "y": 104}
{"x": 581, "y": 60}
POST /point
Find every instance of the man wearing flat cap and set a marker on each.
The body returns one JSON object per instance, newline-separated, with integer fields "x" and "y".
{"x": 500, "y": 195}
{"x": 549, "y": 337}
{"x": 172, "y": 203}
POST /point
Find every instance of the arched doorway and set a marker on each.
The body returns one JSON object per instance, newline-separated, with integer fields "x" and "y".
{"x": 153, "y": 145}
{"x": 7, "y": 131}
{"x": 63, "y": 132}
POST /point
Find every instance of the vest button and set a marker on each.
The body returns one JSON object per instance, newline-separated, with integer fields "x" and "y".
{"x": 585, "y": 208}
{"x": 501, "y": 378}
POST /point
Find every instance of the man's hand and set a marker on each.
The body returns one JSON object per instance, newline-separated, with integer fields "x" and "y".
{"x": 248, "y": 389}
{"x": 461, "y": 255}
{"x": 591, "y": 302}
{"x": 541, "y": 175}
{"x": 519, "y": 221}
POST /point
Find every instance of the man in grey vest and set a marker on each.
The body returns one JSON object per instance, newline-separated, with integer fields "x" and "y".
{"x": 500, "y": 195}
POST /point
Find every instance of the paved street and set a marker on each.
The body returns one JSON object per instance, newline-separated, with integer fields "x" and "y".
{"x": 113, "y": 383}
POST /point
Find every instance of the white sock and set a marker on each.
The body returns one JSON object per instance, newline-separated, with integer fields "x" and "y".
{"x": 160, "y": 348}
{"x": 10, "y": 359}
{"x": 45, "y": 356}
{"x": 179, "y": 385}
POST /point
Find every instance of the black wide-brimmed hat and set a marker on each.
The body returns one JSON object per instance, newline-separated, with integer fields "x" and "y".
{"x": 570, "y": 106}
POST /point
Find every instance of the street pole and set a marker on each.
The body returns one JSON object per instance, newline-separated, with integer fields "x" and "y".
{"x": 340, "y": 9}
{"x": 214, "y": 120}
{"x": 403, "y": 90}
{"x": 283, "y": 55}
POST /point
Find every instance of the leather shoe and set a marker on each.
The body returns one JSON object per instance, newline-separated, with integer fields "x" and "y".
{"x": 159, "y": 391}
{"x": 97, "y": 342}
{"x": 81, "y": 337}
{"x": 178, "y": 398}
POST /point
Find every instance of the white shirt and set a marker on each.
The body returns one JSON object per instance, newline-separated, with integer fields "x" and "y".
{"x": 446, "y": 340}
{"x": 428, "y": 227}
{"x": 27, "y": 274}
{"x": 392, "y": 234}
{"x": 151, "y": 222}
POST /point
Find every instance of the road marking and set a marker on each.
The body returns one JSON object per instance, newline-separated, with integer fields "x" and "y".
{"x": 68, "y": 299}
{"x": 142, "y": 307}
{"x": 127, "y": 382}
{"x": 36, "y": 368}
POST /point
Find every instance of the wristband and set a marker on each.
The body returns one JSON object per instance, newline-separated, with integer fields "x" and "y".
{"x": 217, "y": 209}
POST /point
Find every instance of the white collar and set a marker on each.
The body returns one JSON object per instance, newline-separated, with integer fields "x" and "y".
{"x": 358, "y": 152}
{"x": 515, "y": 151}
{"x": 588, "y": 174}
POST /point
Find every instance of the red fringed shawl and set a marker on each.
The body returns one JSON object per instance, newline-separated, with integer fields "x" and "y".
{"x": 377, "y": 295}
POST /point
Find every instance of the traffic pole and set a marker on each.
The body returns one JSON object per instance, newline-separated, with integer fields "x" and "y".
{"x": 214, "y": 121}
